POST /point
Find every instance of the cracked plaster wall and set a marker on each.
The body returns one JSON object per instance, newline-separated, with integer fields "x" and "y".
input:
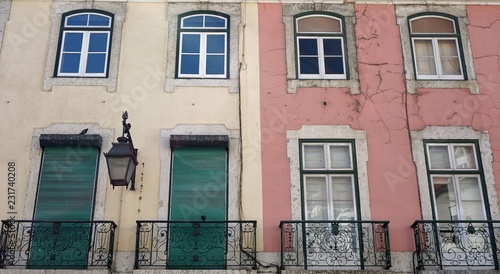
{"x": 384, "y": 109}
{"x": 378, "y": 110}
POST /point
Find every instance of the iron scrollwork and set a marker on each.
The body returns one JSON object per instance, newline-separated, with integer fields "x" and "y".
{"x": 357, "y": 244}
{"x": 57, "y": 244}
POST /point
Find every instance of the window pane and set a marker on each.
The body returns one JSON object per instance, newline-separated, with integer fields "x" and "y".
{"x": 464, "y": 157}
{"x": 77, "y": 20}
{"x": 314, "y": 157}
{"x": 73, "y": 42}
{"x": 342, "y": 196}
{"x": 96, "y": 63}
{"x": 439, "y": 157}
{"x": 470, "y": 196}
{"x": 216, "y": 43}
{"x": 190, "y": 43}
{"x": 214, "y": 22}
{"x": 432, "y": 25}
{"x": 215, "y": 64}
{"x": 319, "y": 24}
{"x": 450, "y": 63}
{"x": 190, "y": 64}
{"x": 308, "y": 46}
{"x": 444, "y": 195}
{"x": 334, "y": 65}
{"x": 316, "y": 198}
{"x": 99, "y": 20}
{"x": 424, "y": 55}
{"x": 309, "y": 65}
{"x": 70, "y": 62}
{"x": 332, "y": 47}
{"x": 193, "y": 22}
{"x": 340, "y": 157}
{"x": 98, "y": 42}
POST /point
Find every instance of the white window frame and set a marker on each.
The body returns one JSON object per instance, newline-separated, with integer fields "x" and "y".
{"x": 202, "y": 70}
{"x": 85, "y": 45}
{"x": 321, "y": 59}
{"x": 83, "y": 55}
{"x": 321, "y": 56}
{"x": 435, "y": 38}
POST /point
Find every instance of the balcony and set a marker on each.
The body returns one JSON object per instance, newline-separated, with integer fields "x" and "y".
{"x": 56, "y": 244}
{"x": 195, "y": 245}
{"x": 456, "y": 244}
{"x": 335, "y": 244}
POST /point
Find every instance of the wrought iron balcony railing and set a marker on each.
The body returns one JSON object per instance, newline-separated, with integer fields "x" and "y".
{"x": 56, "y": 244}
{"x": 465, "y": 244}
{"x": 335, "y": 244}
{"x": 195, "y": 244}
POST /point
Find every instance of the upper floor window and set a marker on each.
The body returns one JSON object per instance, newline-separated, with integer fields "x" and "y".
{"x": 437, "y": 51}
{"x": 320, "y": 47}
{"x": 84, "y": 44}
{"x": 202, "y": 46}
{"x": 456, "y": 178}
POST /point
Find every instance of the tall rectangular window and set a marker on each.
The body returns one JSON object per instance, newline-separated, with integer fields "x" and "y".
{"x": 456, "y": 181}
{"x": 320, "y": 47}
{"x": 436, "y": 48}
{"x": 203, "y": 47}
{"x": 329, "y": 180}
{"x": 84, "y": 46}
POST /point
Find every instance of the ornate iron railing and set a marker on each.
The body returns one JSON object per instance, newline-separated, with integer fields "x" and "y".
{"x": 335, "y": 244}
{"x": 443, "y": 244}
{"x": 56, "y": 244}
{"x": 195, "y": 244}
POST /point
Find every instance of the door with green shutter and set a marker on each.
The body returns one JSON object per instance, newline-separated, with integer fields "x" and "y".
{"x": 65, "y": 197}
{"x": 198, "y": 202}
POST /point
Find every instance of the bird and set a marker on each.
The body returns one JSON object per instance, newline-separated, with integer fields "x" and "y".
{"x": 84, "y": 131}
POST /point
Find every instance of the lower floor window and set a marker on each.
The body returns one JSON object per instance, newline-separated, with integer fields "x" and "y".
{"x": 329, "y": 180}
{"x": 456, "y": 181}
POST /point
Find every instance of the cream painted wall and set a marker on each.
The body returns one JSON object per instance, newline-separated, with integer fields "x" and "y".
{"x": 24, "y": 106}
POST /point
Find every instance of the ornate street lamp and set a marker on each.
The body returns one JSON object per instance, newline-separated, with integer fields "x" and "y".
{"x": 122, "y": 158}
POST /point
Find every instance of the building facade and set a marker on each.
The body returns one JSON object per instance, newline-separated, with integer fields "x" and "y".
{"x": 272, "y": 136}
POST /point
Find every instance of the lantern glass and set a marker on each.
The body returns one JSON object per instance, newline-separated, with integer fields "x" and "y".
{"x": 120, "y": 168}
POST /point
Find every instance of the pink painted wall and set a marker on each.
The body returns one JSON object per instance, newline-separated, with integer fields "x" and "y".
{"x": 379, "y": 110}
{"x": 383, "y": 109}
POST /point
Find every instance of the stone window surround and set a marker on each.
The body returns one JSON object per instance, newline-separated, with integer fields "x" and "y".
{"x": 233, "y": 165}
{"x": 311, "y": 132}
{"x": 36, "y": 157}
{"x": 412, "y": 84}
{"x": 452, "y": 133}
{"x": 346, "y": 10}
{"x": 233, "y": 10}
{"x": 118, "y": 10}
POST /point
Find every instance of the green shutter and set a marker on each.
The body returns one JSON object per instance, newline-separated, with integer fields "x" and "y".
{"x": 65, "y": 193}
{"x": 198, "y": 189}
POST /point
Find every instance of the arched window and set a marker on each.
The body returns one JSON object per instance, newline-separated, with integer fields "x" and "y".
{"x": 436, "y": 46}
{"x": 320, "y": 47}
{"x": 202, "y": 46}
{"x": 84, "y": 44}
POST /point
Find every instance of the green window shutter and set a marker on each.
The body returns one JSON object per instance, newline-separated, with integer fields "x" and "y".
{"x": 66, "y": 184}
{"x": 198, "y": 184}
{"x": 198, "y": 189}
{"x": 65, "y": 193}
